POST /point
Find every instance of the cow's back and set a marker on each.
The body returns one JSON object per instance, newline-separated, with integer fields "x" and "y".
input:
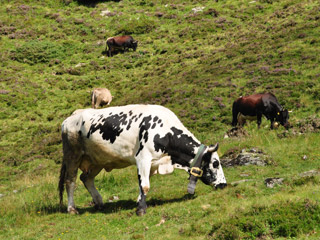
{"x": 249, "y": 105}
{"x": 119, "y": 40}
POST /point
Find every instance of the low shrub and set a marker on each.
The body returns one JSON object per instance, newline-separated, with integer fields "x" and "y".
{"x": 34, "y": 52}
{"x": 136, "y": 26}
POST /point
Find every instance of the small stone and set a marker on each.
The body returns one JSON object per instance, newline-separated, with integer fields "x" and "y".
{"x": 310, "y": 173}
{"x": 271, "y": 182}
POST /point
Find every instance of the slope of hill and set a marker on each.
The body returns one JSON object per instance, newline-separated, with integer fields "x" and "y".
{"x": 195, "y": 57}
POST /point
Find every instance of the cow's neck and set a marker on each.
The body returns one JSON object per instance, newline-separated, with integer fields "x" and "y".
{"x": 181, "y": 147}
{"x": 182, "y": 156}
{"x": 278, "y": 107}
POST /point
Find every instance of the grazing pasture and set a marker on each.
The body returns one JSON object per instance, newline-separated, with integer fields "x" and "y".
{"x": 195, "y": 58}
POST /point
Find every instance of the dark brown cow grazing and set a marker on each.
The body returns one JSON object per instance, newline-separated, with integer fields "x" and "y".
{"x": 254, "y": 106}
{"x": 120, "y": 43}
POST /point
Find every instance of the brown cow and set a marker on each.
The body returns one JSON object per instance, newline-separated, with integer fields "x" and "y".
{"x": 254, "y": 106}
{"x": 122, "y": 43}
{"x": 100, "y": 96}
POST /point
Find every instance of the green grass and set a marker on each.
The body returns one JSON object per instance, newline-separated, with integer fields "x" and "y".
{"x": 196, "y": 64}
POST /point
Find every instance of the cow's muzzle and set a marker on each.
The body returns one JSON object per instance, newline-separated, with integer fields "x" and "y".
{"x": 221, "y": 186}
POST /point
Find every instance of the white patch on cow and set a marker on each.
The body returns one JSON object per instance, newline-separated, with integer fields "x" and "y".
{"x": 178, "y": 166}
{"x": 162, "y": 166}
{"x": 220, "y": 178}
{"x": 78, "y": 111}
{"x": 165, "y": 169}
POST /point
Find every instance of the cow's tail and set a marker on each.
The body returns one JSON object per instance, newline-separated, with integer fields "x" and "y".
{"x": 62, "y": 181}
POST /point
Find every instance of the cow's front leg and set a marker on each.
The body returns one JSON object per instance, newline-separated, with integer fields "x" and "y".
{"x": 144, "y": 185}
{"x": 88, "y": 180}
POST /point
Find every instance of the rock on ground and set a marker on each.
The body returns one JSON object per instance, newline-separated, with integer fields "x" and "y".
{"x": 246, "y": 157}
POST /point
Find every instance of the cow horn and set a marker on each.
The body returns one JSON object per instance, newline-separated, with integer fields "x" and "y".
{"x": 213, "y": 148}
{"x": 290, "y": 111}
{"x": 135, "y": 41}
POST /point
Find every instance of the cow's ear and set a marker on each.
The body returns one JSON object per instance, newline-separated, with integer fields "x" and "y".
{"x": 213, "y": 148}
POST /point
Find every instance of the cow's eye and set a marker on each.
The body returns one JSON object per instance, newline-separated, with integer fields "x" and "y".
{"x": 215, "y": 164}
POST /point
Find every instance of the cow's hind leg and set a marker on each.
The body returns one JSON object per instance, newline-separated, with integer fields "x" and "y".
{"x": 69, "y": 169}
{"x": 88, "y": 180}
{"x": 144, "y": 166}
{"x": 71, "y": 176}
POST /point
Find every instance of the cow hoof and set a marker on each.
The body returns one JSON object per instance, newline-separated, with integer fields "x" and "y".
{"x": 141, "y": 212}
{"x": 72, "y": 211}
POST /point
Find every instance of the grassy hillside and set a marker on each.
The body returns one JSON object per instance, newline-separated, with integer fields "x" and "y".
{"x": 195, "y": 57}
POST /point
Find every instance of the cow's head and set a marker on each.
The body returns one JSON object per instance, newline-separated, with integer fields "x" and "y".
{"x": 134, "y": 45}
{"x": 212, "y": 171}
{"x": 282, "y": 117}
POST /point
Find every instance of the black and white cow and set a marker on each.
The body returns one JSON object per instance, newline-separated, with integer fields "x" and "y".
{"x": 148, "y": 136}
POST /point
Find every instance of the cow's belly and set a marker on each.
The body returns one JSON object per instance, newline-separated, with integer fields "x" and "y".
{"x": 109, "y": 156}
{"x": 242, "y": 118}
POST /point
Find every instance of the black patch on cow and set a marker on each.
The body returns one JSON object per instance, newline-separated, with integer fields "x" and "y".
{"x": 129, "y": 125}
{"x": 178, "y": 145}
{"x": 83, "y": 123}
{"x": 154, "y": 125}
{"x": 161, "y": 125}
{"x": 134, "y": 118}
{"x": 143, "y": 132}
{"x": 155, "y": 118}
{"x": 110, "y": 127}
{"x": 216, "y": 164}
{"x": 130, "y": 113}
{"x": 101, "y": 116}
